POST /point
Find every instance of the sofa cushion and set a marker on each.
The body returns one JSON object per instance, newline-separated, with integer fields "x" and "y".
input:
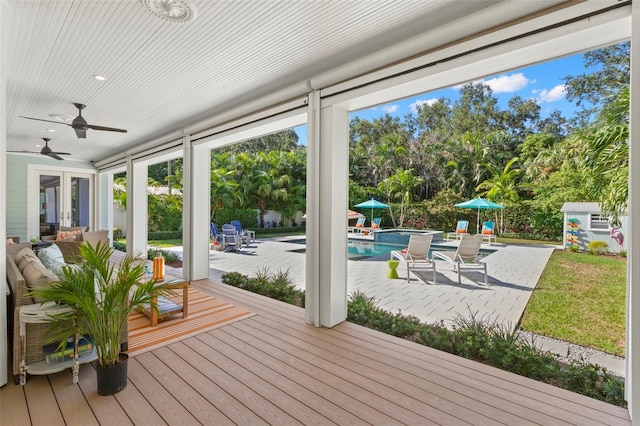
{"x": 67, "y": 235}
{"x": 23, "y": 257}
{"x": 35, "y": 274}
{"x": 52, "y": 259}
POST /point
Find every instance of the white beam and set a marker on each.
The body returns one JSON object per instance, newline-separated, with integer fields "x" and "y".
{"x": 329, "y": 240}
{"x": 137, "y": 212}
{"x": 632, "y": 383}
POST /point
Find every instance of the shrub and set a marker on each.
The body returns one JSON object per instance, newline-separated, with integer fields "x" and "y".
{"x": 117, "y": 233}
{"x": 573, "y": 248}
{"x": 274, "y": 285}
{"x": 120, "y": 246}
{"x": 281, "y": 230}
{"x": 597, "y": 247}
{"x": 169, "y": 257}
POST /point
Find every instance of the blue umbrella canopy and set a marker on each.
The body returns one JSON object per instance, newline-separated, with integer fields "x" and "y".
{"x": 372, "y": 204}
{"x": 479, "y": 203}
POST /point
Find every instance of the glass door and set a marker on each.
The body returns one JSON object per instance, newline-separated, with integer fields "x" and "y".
{"x": 49, "y": 203}
{"x": 64, "y": 199}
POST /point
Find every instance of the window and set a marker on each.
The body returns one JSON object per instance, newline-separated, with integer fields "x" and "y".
{"x": 598, "y": 223}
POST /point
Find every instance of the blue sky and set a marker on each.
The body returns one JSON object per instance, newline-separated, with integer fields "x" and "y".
{"x": 543, "y": 82}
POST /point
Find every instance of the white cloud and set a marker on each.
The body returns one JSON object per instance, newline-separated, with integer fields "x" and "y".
{"x": 507, "y": 83}
{"x": 418, "y": 103}
{"x": 390, "y": 109}
{"x": 555, "y": 94}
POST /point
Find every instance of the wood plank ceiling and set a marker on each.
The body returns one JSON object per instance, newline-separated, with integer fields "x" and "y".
{"x": 162, "y": 76}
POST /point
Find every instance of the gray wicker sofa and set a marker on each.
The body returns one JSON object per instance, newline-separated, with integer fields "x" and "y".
{"x": 36, "y": 333}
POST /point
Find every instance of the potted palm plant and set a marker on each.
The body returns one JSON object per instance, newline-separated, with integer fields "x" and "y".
{"x": 101, "y": 295}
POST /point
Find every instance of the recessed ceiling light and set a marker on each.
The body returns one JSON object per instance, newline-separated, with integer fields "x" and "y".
{"x": 51, "y": 130}
{"x": 99, "y": 77}
{"x": 38, "y": 145}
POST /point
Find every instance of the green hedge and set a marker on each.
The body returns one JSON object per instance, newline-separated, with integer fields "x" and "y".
{"x": 247, "y": 217}
{"x": 164, "y": 235}
{"x": 280, "y": 230}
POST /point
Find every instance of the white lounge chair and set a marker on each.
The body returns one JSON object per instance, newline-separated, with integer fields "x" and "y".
{"x": 416, "y": 256}
{"x": 489, "y": 232}
{"x": 462, "y": 228}
{"x": 466, "y": 256}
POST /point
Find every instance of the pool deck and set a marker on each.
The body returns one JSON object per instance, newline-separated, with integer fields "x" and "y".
{"x": 513, "y": 271}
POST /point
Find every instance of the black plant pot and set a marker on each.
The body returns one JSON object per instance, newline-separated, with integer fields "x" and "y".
{"x": 113, "y": 379}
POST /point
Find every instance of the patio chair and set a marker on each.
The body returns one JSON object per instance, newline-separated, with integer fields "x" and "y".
{"x": 416, "y": 255}
{"x": 244, "y": 234}
{"x": 488, "y": 232}
{"x": 462, "y": 228}
{"x": 466, "y": 256}
{"x": 358, "y": 226}
{"x": 230, "y": 238}
{"x": 215, "y": 233}
{"x": 375, "y": 223}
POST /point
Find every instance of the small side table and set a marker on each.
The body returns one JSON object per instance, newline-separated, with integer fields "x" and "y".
{"x": 37, "y": 246}
{"x": 167, "y": 307}
{"x": 393, "y": 266}
{"x": 40, "y": 314}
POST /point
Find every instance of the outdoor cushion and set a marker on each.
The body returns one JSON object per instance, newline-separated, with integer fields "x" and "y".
{"x": 67, "y": 235}
{"x": 36, "y": 275}
{"x": 23, "y": 257}
{"x": 52, "y": 259}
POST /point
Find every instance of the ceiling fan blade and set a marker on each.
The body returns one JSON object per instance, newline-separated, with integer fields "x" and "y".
{"x": 40, "y": 119}
{"x": 108, "y": 129}
{"x": 81, "y": 133}
{"x": 25, "y": 152}
{"x": 53, "y": 155}
{"x": 61, "y": 153}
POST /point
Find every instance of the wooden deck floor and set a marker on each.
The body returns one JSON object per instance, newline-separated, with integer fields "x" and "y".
{"x": 274, "y": 369}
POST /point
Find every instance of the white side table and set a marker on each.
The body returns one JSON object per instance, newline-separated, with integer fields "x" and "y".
{"x": 40, "y": 314}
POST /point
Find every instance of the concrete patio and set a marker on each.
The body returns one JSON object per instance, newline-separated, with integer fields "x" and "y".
{"x": 513, "y": 271}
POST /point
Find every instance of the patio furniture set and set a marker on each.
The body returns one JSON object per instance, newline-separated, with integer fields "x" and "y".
{"x": 232, "y": 237}
{"x": 416, "y": 256}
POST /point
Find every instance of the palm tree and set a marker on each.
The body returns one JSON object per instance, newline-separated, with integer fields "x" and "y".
{"x": 502, "y": 186}
{"x": 607, "y": 155}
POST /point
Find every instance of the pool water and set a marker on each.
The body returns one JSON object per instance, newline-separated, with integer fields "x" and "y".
{"x": 361, "y": 250}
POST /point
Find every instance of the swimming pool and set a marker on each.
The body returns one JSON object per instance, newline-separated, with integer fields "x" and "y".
{"x": 361, "y": 250}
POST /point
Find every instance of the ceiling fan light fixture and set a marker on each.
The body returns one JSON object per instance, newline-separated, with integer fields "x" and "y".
{"x": 176, "y": 11}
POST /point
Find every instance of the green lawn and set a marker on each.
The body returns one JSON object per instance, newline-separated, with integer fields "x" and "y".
{"x": 580, "y": 298}
{"x": 164, "y": 243}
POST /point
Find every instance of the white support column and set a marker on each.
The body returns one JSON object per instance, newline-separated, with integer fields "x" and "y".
{"x": 105, "y": 203}
{"x": 3, "y": 214}
{"x": 137, "y": 211}
{"x": 195, "y": 210}
{"x": 327, "y": 205}
{"x": 632, "y": 377}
